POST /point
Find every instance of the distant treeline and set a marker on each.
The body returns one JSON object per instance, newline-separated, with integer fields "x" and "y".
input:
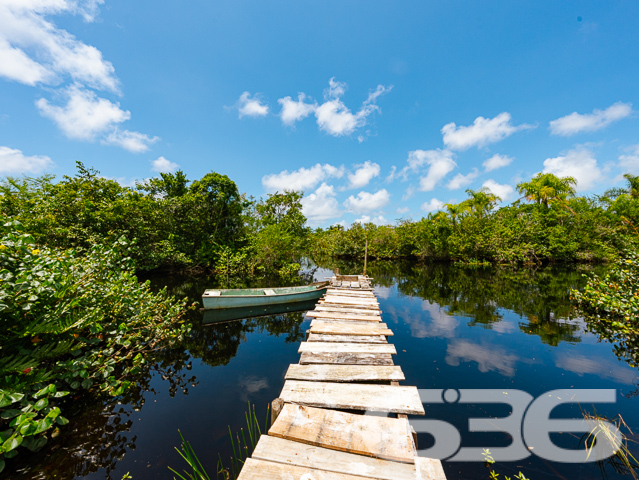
{"x": 168, "y": 222}
{"x": 171, "y": 222}
{"x": 548, "y": 224}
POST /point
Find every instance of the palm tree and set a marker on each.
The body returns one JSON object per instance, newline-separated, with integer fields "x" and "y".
{"x": 546, "y": 187}
{"x": 633, "y": 184}
{"x": 481, "y": 201}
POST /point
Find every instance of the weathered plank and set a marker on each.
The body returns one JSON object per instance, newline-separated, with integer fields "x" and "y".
{"x": 344, "y": 316}
{"x": 323, "y": 337}
{"x": 379, "y": 437}
{"x": 377, "y": 398}
{"x": 343, "y": 347}
{"x": 347, "y": 358}
{"x": 261, "y": 470}
{"x": 341, "y": 299}
{"x": 322, "y": 303}
{"x": 350, "y": 293}
{"x": 350, "y": 328}
{"x": 286, "y": 452}
{"x": 361, "y": 311}
{"x": 344, "y": 373}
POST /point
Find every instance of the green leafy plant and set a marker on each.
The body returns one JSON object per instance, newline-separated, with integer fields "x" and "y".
{"x": 70, "y": 322}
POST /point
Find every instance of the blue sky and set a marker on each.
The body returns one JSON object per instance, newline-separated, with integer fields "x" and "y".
{"x": 377, "y": 110}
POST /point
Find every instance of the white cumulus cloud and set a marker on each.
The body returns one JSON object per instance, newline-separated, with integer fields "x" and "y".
{"x": 13, "y": 161}
{"x": 364, "y": 219}
{"x": 579, "y": 163}
{"x": 294, "y": 111}
{"x": 367, "y": 202}
{"x": 34, "y": 50}
{"x": 301, "y": 179}
{"x": 503, "y": 191}
{"x": 482, "y": 132}
{"x": 590, "y": 122}
{"x": 433, "y": 205}
{"x": 321, "y": 205}
{"x": 163, "y": 165}
{"x": 85, "y": 115}
{"x": 497, "y": 161}
{"x": 248, "y": 106}
{"x": 439, "y": 162}
{"x": 135, "y": 142}
{"x": 363, "y": 174}
{"x": 461, "y": 181}
{"x": 335, "y": 118}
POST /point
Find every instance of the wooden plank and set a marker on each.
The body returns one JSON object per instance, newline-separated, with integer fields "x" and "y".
{"x": 346, "y": 358}
{"x": 350, "y": 328}
{"x": 344, "y": 373}
{"x": 429, "y": 468}
{"x": 377, "y": 398}
{"x": 287, "y": 452}
{"x": 345, "y": 316}
{"x": 260, "y": 470}
{"x": 351, "y": 293}
{"x": 342, "y": 347}
{"x": 341, "y": 299}
{"x": 323, "y": 337}
{"x": 373, "y": 436}
{"x": 361, "y": 311}
{"x": 347, "y": 321}
{"x": 322, "y": 303}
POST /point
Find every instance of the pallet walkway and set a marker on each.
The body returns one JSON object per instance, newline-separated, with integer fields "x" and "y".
{"x": 318, "y": 429}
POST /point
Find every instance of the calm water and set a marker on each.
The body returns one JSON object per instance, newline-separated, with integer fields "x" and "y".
{"x": 454, "y": 328}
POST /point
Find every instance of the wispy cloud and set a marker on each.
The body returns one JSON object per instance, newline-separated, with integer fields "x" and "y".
{"x": 461, "y": 181}
{"x": 294, "y": 111}
{"x": 590, "y": 122}
{"x": 432, "y": 205}
{"x": 497, "y": 161}
{"x": 248, "y": 106}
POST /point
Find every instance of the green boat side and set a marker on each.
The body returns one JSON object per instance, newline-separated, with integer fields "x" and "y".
{"x": 248, "y": 297}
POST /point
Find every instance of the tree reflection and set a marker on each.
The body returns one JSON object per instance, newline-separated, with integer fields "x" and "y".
{"x": 541, "y": 296}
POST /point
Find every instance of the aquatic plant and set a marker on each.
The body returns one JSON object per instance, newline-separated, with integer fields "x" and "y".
{"x": 242, "y": 446}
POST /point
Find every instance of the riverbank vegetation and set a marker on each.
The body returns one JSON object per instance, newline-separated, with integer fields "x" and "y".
{"x": 71, "y": 323}
{"x": 169, "y": 222}
{"x": 548, "y": 224}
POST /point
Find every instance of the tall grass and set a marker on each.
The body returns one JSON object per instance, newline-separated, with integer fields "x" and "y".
{"x": 242, "y": 446}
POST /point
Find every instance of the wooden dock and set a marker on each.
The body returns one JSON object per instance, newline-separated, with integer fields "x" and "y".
{"x": 319, "y": 431}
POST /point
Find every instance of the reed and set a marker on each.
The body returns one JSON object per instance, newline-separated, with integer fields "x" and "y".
{"x": 242, "y": 445}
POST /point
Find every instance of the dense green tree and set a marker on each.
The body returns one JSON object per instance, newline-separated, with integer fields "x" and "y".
{"x": 546, "y": 187}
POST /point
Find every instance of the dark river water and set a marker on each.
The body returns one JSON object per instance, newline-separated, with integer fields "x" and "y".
{"x": 455, "y": 328}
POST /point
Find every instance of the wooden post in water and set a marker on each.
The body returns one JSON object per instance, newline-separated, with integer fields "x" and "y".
{"x": 365, "y": 256}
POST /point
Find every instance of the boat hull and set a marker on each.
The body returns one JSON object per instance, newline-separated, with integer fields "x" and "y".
{"x": 210, "y": 302}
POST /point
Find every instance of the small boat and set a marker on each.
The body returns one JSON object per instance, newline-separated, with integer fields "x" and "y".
{"x": 254, "y": 297}
{"x": 220, "y": 315}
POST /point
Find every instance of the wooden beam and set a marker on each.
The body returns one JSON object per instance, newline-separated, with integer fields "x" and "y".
{"x": 342, "y": 347}
{"x": 343, "y": 316}
{"x": 379, "y": 437}
{"x": 376, "y": 398}
{"x": 323, "y": 337}
{"x": 344, "y": 373}
{"x": 287, "y": 452}
{"x": 360, "y": 311}
{"x": 350, "y": 328}
{"x": 346, "y": 358}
